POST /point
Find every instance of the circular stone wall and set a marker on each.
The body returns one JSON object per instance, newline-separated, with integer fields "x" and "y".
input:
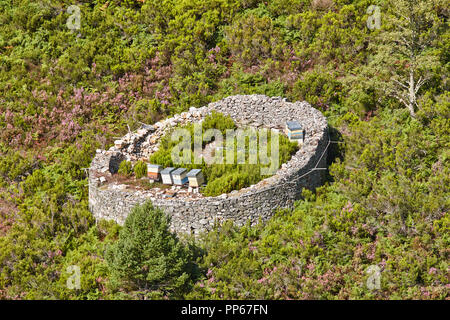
{"x": 193, "y": 212}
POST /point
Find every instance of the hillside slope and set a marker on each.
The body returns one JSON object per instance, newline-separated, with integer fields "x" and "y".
{"x": 64, "y": 92}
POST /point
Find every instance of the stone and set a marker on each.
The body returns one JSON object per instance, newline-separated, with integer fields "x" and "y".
{"x": 104, "y": 170}
{"x": 154, "y": 139}
{"x": 118, "y": 144}
{"x": 148, "y": 127}
{"x": 142, "y": 132}
{"x": 189, "y": 209}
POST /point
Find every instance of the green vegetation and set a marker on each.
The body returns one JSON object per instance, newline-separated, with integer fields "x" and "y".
{"x": 125, "y": 168}
{"x": 378, "y": 211}
{"x": 220, "y": 176}
{"x": 218, "y": 121}
{"x": 163, "y": 156}
{"x": 148, "y": 260}
{"x": 140, "y": 169}
{"x": 65, "y": 93}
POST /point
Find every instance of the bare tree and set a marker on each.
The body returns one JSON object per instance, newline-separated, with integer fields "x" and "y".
{"x": 405, "y": 47}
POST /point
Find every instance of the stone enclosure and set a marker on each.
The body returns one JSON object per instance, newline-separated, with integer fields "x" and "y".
{"x": 193, "y": 212}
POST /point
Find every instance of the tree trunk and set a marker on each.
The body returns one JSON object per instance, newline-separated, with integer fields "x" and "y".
{"x": 412, "y": 94}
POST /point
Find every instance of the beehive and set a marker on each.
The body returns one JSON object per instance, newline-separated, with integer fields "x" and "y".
{"x": 166, "y": 175}
{"x": 195, "y": 177}
{"x": 179, "y": 176}
{"x": 154, "y": 171}
{"x": 294, "y": 130}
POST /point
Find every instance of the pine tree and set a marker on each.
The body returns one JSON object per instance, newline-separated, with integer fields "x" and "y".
{"x": 148, "y": 259}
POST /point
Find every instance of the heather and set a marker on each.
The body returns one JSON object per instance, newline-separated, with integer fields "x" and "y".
{"x": 64, "y": 93}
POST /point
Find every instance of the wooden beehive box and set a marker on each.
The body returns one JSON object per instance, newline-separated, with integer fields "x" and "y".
{"x": 195, "y": 177}
{"x": 166, "y": 175}
{"x": 179, "y": 176}
{"x": 154, "y": 171}
{"x": 294, "y": 130}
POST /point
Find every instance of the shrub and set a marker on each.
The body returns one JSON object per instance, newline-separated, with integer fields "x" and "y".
{"x": 223, "y": 178}
{"x": 125, "y": 168}
{"x": 227, "y": 183}
{"x": 219, "y": 121}
{"x": 140, "y": 169}
{"x": 148, "y": 260}
{"x": 253, "y": 39}
{"x": 318, "y": 88}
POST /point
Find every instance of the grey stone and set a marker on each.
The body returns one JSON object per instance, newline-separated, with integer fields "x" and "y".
{"x": 189, "y": 209}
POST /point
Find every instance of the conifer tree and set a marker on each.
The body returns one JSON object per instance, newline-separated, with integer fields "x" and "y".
{"x": 148, "y": 259}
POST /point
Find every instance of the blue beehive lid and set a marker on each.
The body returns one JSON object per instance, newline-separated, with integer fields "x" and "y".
{"x": 168, "y": 170}
{"x": 194, "y": 172}
{"x": 179, "y": 171}
{"x": 293, "y": 125}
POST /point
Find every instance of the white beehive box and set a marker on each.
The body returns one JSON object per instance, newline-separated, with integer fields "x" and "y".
{"x": 179, "y": 176}
{"x": 196, "y": 178}
{"x": 166, "y": 175}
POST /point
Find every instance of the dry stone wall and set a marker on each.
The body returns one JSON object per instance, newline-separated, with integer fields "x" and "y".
{"x": 193, "y": 213}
